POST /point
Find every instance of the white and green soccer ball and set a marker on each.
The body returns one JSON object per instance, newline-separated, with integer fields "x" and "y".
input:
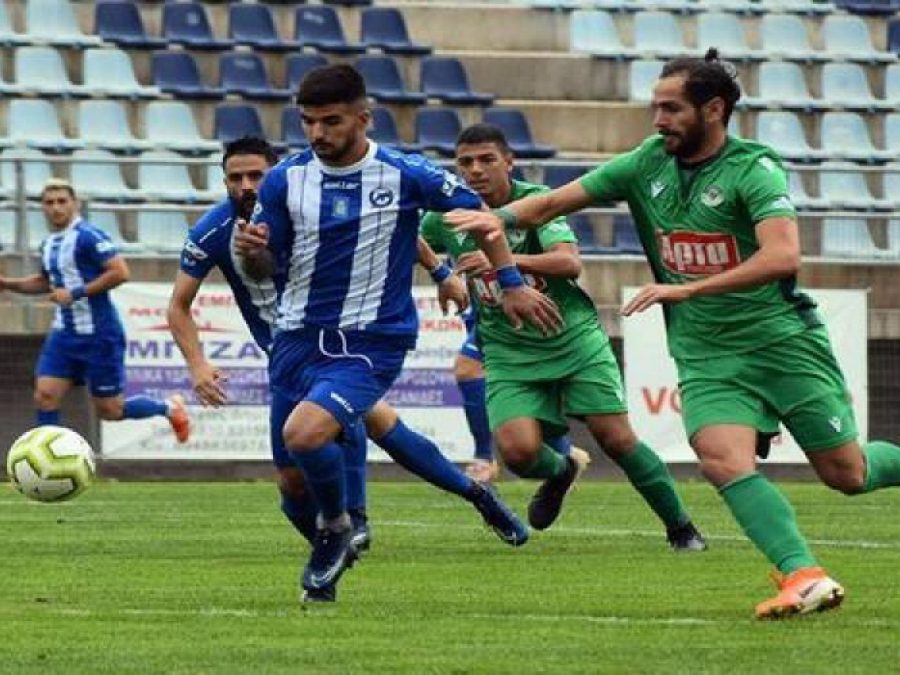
{"x": 50, "y": 464}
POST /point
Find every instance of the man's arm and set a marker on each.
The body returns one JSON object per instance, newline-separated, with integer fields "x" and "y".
{"x": 115, "y": 273}
{"x": 30, "y": 285}
{"x": 560, "y": 260}
{"x": 450, "y": 287}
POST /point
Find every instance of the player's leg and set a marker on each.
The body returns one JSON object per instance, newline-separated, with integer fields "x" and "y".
{"x": 469, "y": 372}
{"x": 297, "y": 503}
{"x": 49, "y": 393}
{"x": 355, "y": 446}
{"x": 419, "y": 455}
{"x": 55, "y": 372}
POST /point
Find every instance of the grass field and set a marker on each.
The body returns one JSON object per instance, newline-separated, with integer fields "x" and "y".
{"x": 201, "y": 578}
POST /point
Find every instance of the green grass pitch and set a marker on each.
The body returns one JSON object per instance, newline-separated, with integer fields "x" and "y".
{"x": 201, "y": 578}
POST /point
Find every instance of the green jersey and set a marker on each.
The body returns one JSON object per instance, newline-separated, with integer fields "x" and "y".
{"x": 701, "y": 222}
{"x": 502, "y": 344}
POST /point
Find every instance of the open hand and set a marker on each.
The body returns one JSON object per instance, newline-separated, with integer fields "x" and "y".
{"x": 654, "y": 293}
{"x": 523, "y": 304}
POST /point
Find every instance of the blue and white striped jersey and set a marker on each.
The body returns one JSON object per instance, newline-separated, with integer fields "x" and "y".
{"x": 345, "y": 238}
{"x": 210, "y": 243}
{"x": 74, "y": 257}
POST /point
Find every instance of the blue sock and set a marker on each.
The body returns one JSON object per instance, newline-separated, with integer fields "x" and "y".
{"x": 476, "y": 415}
{"x": 324, "y": 472}
{"x": 140, "y": 407}
{"x": 562, "y": 444}
{"x": 417, "y": 454}
{"x": 355, "y": 467}
{"x": 301, "y": 511}
{"x": 47, "y": 417}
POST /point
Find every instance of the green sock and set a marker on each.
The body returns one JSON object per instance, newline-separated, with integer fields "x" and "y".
{"x": 882, "y": 465}
{"x": 547, "y": 464}
{"x": 650, "y": 476}
{"x": 768, "y": 520}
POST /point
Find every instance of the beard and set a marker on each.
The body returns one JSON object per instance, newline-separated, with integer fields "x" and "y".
{"x": 331, "y": 152}
{"x": 686, "y": 143}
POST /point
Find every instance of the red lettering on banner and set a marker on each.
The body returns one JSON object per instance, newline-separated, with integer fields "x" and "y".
{"x": 662, "y": 398}
{"x": 698, "y": 252}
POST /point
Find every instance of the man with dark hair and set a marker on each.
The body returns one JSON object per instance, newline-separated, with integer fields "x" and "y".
{"x": 720, "y": 233}
{"x": 340, "y": 223}
{"x": 80, "y": 265}
{"x": 534, "y": 381}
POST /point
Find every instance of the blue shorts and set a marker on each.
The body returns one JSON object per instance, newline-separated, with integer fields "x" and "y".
{"x": 97, "y": 359}
{"x": 344, "y": 373}
{"x": 470, "y": 348}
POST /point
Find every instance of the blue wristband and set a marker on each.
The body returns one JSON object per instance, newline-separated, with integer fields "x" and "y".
{"x": 510, "y": 277}
{"x": 77, "y": 293}
{"x": 441, "y": 273}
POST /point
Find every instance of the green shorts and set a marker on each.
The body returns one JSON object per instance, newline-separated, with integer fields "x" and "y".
{"x": 588, "y": 383}
{"x": 796, "y": 381}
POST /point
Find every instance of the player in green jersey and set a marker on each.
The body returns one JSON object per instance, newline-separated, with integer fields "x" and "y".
{"x": 536, "y": 381}
{"x": 720, "y": 233}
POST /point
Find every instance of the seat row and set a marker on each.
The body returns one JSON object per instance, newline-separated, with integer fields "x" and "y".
{"x": 843, "y": 136}
{"x": 806, "y": 7}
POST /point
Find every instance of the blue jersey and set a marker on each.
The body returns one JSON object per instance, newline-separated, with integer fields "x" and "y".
{"x": 210, "y": 243}
{"x": 345, "y": 238}
{"x": 74, "y": 257}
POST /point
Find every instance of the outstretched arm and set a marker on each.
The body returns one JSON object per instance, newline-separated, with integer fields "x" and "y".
{"x": 30, "y": 285}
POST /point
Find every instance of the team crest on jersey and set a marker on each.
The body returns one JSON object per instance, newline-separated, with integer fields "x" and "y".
{"x": 712, "y": 196}
{"x": 698, "y": 253}
{"x": 340, "y": 207}
{"x": 381, "y": 197}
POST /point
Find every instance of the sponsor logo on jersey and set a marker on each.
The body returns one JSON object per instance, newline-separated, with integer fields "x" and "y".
{"x": 344, "y": 403}
{"x": 712, "y": 196}
{"x": 381, "y": 197}
{"x": 105, "y": 246}
{"x": 340, "y": 185}
{"x": 340, "y": 207}
{"x": 698, "y": 253}
{"x": 194, "y": 252}
{"x": 656, "y": 187}
{"x": 257, "y": 209}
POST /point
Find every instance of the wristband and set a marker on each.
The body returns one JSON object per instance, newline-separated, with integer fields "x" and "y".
{"x": 509, "y": 218}
{"x": 77, "y": 293}
{"x": 510, "y": 277}
{"x": 441, "y": 273}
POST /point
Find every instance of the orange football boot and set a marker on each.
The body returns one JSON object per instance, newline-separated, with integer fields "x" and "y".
{"x": 805, "y": 590}
{"x": 178, "y": 418}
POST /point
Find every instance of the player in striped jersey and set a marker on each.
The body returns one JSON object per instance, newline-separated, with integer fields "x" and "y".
{"x": 79, "y": 266}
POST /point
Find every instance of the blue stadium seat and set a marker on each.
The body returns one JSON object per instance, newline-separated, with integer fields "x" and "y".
{"x": 848, "y": 238}
{"x": 868, "y": 7}
{"x": 657, "y": 34}
{"x": 892, "y": 85}
{"x": 298, "y": 65}
{"x": 846, "y": 136}
{"x": 444, "y": 78}
{"x": 318, "y": 26}
{"x": 893, "y": 39}
{"x": 121, "y": 24}
{"x": 383, "y": 80}
{"x": 437, "y": 129}
{"x": 245, "y": 74}
{"x": 847, "y": 37}
{"x": 625, "y": 236}
{"x": 384, "y": 131}
{"x": 557, "y": 175}
{"x": 642, "y": 76}
{"x": 349, "y": 3}
{"x": 292, "y": 134}
{"x": 186, "y": 23}
{"x": 385, "y": 28}
{"x": 177, "y": 73}
{"x": 844, "y": 85}
{"x": 518, "y": 133}
{"x": 594, "y": 32}
{"x": 253, "y": 25}
{"x": 583, "y": 229}
{"x": 232, "y": 121}
{"x": 783, "y": 131}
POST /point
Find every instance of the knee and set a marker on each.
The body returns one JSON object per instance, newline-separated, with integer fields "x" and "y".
{"x": 304, "y": 438}
{"x": 291, "y": 483}
{"x": 617, "y": 442}
{"x": 467, "y": 369}
{"x": 45, "y": 400}
{"x": 109, "y": 411}
{"x": 720, "y": 468}
{"x": 849, "y": 481}
{"x": 516, "y": 450}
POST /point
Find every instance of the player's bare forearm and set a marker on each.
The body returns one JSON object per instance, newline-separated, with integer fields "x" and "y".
{"x": 561, "y": 261}
{"x": 496, "y": 249}
{"x": 115, "y": 273}
{"x": 426, "y": 255}
{"x": 260, "y": 265}
{"x": 30, "y": 285}
{"x": 181, "y": 322}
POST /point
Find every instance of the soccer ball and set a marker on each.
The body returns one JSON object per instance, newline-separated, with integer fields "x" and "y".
{"x": 50, "y": 464}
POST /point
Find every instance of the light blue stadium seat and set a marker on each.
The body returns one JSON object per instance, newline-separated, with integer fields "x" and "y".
{"x": 36, "y": 228}
{"x": 641, "y": 79}
{"x": 169, "y": 182}
{"x": 108, "y": 221}
{"x": 162, "y": 231}
{"x": 594, "y": 32}
{"x": 7, "y": 87}
{"x": 890, "y": 186}
{"x": 892, "y": 134}
{"x": 658, "y": 34}
{"x": 846, "y": 136}
{"x": 782, "y": 85}
{"x": 892, "y": 85}
{"x": 848, "y": 238}
{"x": 801, "y": 198}
{"x": 783, "y": 131}
{"x": 54, "y": 22}
{"x": 893, "y": 237}
{"x": 796, "y": 6}
{"x": 847, "y": 189}
{"x": 109, "y": 72}
{"x": 725, "y": 31}
{"x": 34, "y": 123}
{"x": 7, "y": 229}
{"x": 35, "y": 172}
{"x": 104, "y": 124}
{"x": 215, "y": 177}
{"x": 847, "y": 37}
{"x": 9, "y": 37}
{"x": 40, "y": 70}
{"x": 844, "y": 85}
{"x": 96, "y": 175}
{"x": 785, "y": 36}
{"x": 170, "y": 124}
{"x": 736, "y": 6}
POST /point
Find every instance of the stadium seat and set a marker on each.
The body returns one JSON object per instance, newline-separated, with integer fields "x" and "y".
{"x": 892, "y": 134}
{"x": 7, "y": 229}
{"x": 657, "y": 34}
{"x": 108, "y": 72}
{"x": 34, "y": 123}
{"x": 735, "y": 6}
{"x": 594, "y": 32}
{"x": 9, "y": 37}
{"x": 108, "y": 221}
{"x": 176, "y": 73}
{"x": 36, "y": 171}
{"x": 95, "y": 174}
{"x": 782, "y": 85}
{"x": 583, "y": 229}
{"x": 725, "y": 31}
{"x": 557, "y": 175}
{"x": 846, "y": 136}
{"x": 783, "y": 131}
{"x": 893, "y": 38}
{"x": 890, "y": 187}
{"x": 292, "y": 129}
{"x": 162, "y": 231}
{"x": 384, "y": 131}
{"x": 844, "y": 85}
{"x": 53, "y": 22}
{"x": 847, "y": 189}
{"x": 186, "y": 23}
{"x": 385, "y": 29}
{"x": 41, "y": 71}
{"x": 349, "y": 3}
{"x": 893, "y": 237}
{"x": 437, "y": 129}
{"x": 799, "y": 196}
{"x": 384, "y": 82}
{"x": 445, "y": 78}
{"x": 165, "y": 182}
{"x": 518, "y": 133}
{"x": 35, "y": 228}
{"x": 892, "y": 86}
{"x": 318, "y": 26}
{"x": 253, "y": 25}
{"x": 298, "y": 65}
{"x": 121, "y": 24}
{"x": 232, "y": 121}
{"x": 847, "y": 238}
{"x": 868, "y": 7}
{"x": 245, "y": 75}
{"x": 104, "y": 124}
{"x": 806, "y": 7}
{"x": 215, "y": 177}
{"x": 847, "y": 37}
{"x": 171, "y": 125}
{"x": 642, "y": 77}
{"x": 625, "y": 236}
{"x": 785, "y": 36}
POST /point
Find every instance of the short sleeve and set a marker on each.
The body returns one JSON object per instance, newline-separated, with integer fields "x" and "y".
{"x": 557, "y": 231}
{"x": 96, "y": 246}
{"x": 763, "y": 190}
{"x": 197, "y": 254}
{"x": 609, "y": 182}
{"x": 433, "y": 231}
{"x": 442, "y": 190}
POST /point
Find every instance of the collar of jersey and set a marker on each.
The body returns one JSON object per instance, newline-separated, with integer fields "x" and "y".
{"x": 345, "y": 170}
